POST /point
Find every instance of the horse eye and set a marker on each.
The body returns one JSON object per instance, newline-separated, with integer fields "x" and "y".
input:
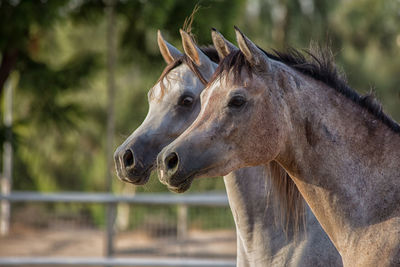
{"x": 237, "y": 102}
{"x": 186, "y": 101}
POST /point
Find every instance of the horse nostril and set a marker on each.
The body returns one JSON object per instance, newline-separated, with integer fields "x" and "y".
{"x": 171, "y": 161}
{"x": 128, "y": 158}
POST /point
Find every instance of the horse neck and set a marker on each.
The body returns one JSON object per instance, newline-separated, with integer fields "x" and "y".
{"x": 258, "y": 222}
{"x": 343, "y": 159}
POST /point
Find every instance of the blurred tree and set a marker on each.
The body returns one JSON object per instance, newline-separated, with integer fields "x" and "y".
{"x": 143, "y": 18}
{"x": 367, "y": 34}
{"x": 282, "y": 23}
{"x": 22, "y": 26}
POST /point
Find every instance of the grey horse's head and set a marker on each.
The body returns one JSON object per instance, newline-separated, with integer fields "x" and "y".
{"x": 174, "y": 103}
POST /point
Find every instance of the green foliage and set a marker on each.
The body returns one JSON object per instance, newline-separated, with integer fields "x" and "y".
{"x": 216, "y": 217}
{"x": 40, "y": 103}
{"x": 370, "y": 48}
{"x": 21, "y": 21}
{"x": 143, "y": 18}
{"x": 39, "y": 79}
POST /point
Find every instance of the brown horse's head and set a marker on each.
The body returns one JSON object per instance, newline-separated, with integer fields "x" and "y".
{"x": 244, "y": 95}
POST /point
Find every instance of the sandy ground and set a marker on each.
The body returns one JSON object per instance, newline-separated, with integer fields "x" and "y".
{"x": 23, "y": 241}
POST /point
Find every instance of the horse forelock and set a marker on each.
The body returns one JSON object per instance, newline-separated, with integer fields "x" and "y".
{"x": 233, "y": 64}
{"x": 211, "y": 53}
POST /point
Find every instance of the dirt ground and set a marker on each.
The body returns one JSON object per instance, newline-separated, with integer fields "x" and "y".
{"x": 24, "y": 241}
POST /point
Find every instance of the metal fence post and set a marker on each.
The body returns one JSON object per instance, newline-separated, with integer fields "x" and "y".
{"x": 182, "y": 222}
{"x": 111, "y": 62}
{"x": 110, "y": 221}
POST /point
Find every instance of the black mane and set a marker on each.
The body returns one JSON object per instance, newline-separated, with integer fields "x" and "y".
{"x": 319, "y": 65}
{"x": 210, "y": 52}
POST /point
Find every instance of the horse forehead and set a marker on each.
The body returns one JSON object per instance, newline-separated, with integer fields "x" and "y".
{"x": 252, "y": 82}
{"x": 217, "y": 86}
{"x": 177, "y": 80}
{"x": 180, "y": 71}
{"x": 182, "y": 78}
{"x": 226, "y": 83}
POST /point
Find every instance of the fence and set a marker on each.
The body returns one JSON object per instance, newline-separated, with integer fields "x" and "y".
{"x": 111, "y": 200}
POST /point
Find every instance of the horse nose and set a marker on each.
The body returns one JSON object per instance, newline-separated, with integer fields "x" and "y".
{"x": 167, "y": 166}
{"x": 128, "y": 159}
{"x": 171, "y": 162}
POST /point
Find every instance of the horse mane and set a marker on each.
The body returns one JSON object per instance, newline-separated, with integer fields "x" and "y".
{"x": 319, "y": 65}
{"x": 287, "y": 201}
{"x": 209, "y": 51}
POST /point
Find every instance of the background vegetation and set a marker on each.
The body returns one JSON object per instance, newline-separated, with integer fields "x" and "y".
{"x": 54, "y": 52}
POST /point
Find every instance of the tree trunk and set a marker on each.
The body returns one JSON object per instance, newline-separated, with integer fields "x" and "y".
{"x": 111, "y": 55}
{"x": 6, "y": 178}
{"x": 8, "y": 61}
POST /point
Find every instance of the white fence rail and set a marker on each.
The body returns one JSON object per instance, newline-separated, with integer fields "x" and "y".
{"x": 117, "y": 262}
{"x": 213, "y": 199}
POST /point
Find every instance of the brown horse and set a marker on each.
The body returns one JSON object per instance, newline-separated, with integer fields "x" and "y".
{"x": 339, "y": 148}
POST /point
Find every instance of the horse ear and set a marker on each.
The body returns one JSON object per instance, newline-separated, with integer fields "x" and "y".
{"x": 168, "y": 51}
{"x": 223, "y": 46}
{"x": 250, "y": 50}
{"x": 192, "y": 51}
